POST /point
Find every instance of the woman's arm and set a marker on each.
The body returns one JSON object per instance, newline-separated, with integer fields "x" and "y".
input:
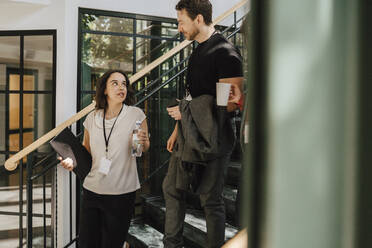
{"x": 86, "y": 140}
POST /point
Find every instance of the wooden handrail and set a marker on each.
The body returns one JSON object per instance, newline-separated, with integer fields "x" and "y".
{"x": 12, "y": 162}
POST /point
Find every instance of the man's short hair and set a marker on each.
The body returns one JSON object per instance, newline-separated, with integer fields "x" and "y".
{"x": 196, "y": 7}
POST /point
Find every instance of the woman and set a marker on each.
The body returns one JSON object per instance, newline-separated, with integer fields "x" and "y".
{"x": 109, "y": 189}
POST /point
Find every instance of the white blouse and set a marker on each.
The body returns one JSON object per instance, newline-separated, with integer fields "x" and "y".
{"x": 122, "y": 177}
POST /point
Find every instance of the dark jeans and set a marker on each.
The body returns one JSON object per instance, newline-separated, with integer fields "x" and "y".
{"x": 211, "y": 201}
{"x": 105, "y": 219}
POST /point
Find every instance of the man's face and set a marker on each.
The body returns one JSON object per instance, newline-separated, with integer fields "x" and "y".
{"x": 186, "y": 25}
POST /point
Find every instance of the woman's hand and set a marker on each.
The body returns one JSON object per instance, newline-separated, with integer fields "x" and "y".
{"x": 67, "y": 163}
{"x": 142, "y": 136}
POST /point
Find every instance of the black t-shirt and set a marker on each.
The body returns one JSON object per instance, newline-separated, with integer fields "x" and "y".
{"x": 213, "y": 59}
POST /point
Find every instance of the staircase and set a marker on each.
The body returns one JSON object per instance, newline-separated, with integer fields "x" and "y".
{"x": 147, "y": 228}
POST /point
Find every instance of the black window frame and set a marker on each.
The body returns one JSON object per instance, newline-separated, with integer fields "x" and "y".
{"x": 134, "y": 35}
{"x": 23, "y": 71}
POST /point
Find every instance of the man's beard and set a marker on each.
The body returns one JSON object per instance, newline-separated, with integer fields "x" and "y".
{"x": 192, "y": 35}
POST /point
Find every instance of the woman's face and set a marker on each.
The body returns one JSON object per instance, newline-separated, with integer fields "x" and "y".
{"x": 116, "y": 88}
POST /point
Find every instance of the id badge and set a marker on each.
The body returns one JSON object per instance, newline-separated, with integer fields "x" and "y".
{"x": 104, "y": 166}
{"x": 188, "y": 97}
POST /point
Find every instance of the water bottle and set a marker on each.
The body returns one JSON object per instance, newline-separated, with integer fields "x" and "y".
{"x": 136, "y": 146}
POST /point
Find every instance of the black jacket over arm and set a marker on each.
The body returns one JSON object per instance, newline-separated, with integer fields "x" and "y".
{"x": 204, "y": 133}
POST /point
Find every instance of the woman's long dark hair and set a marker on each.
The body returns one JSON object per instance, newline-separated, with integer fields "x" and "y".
{"x": 101, "y": 101}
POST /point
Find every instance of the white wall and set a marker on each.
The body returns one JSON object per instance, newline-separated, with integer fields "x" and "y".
{"x": 62, "y": 15}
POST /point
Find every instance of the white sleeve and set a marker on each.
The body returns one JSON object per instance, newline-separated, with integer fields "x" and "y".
{"x": 88, "y": 121}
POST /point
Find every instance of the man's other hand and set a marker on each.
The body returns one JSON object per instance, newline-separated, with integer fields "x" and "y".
{"x": 174, "y": 112}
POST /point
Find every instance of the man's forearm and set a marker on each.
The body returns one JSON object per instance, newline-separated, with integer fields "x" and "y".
{"x": 175, "y": 128}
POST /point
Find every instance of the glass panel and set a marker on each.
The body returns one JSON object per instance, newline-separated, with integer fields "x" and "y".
{"x": 13, "y": 111}
{"x": 43, "y": 117}
{"x": 108, "y": 52}
{"x": 145, "y": 27}
{"x": 107, "y": 23}
{"x": 43, "y": 110}
{"x": 28, "y": 138}
{"x": 37, "y": 115}
{"x": 2, "y": 122}
{"x": 170, "y": 30}
{"x": 86, "y": 99}
{"x": 89, "y": 80}
{"x": 2, "y": 160}
{"x": 38, "y": 61}
{"x": 147, "y": 50}
{"x": 28, "y": 110}
{"x": 9, "y": 57}
{"x": 103, "y": 52}
{"x": 13, "y": 82}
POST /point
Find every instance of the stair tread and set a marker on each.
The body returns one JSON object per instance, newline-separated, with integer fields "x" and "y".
{"x": 11, "y": 196}
{"x": 145, "y": 233}
{"x": 236, "y": 164}
{"x": 196, "y": 219}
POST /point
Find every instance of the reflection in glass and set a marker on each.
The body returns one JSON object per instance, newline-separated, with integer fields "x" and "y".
{"x": 9, "y": 56}
{"x": 107, "y": 23}
{"x": 103, "y": 52}
{"x": 2, "y": 123}
{"x": 9, "y": 60}
{"x": 2, "y": 160}
{"x": 147, "y": 50}
{"x": 36, "y": 113}
{"x": 168, "y": 30}
{"x": 108, "y": 52}
{"x": 38, "y": 62}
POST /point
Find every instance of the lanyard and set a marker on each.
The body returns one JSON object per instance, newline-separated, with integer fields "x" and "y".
{"x": 104, "y": 129}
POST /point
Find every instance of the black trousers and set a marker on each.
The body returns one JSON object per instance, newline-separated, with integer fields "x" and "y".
{"x": 105, "y": 219}
{"x": 211, "y": 201}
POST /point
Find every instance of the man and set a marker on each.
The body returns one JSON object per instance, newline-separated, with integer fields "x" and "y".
{"x": 214, "y": 60}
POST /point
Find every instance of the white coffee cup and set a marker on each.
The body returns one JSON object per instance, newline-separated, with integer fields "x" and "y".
{"x": 223, "y": 92}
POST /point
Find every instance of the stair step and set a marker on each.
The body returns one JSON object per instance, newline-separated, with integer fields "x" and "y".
{"x": 229, "y": 196}
{"x": 194, "y": 227}
{"x": 9, "y": 196}
{"x": 141, "y": 235}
